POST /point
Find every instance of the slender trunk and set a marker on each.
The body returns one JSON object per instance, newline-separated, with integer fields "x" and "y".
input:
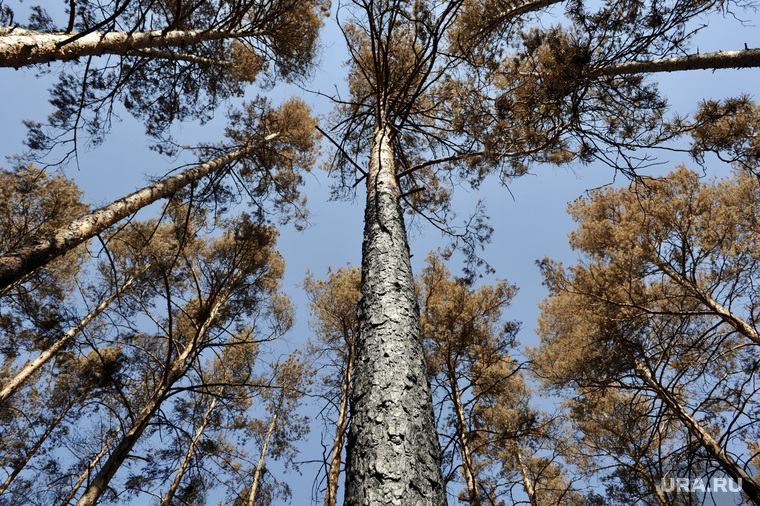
{"x": 713, "y": 447}
{"x": 37, "y": 445}
{"x": 33, "y": 366}
{"x": 468, "y": 468}
{"x": 19, "y": 48}
{"x": 143, "y": 419}
{"x": 167, "y": 499}
{"x": 86, "y": 473}
{"x": 16, "y": 264}
{"x": 738, "y": 323}
{"x": 743, "y": 58}
{"x": 260, "y": 464}
{"x": 393, "y": 454}
{"x": 530, "y": 490}
{"x": 340, "y": 432}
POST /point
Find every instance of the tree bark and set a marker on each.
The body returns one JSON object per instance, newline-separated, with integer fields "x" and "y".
{"x": 260, "y": 464}
{"x": 713, "y": 447}
{"x": 49, "y": 353}
{"x": 393, "y": 453}
{"x": 530, "y": 490}
{"x": 19, "y": 48}
{"x": 333, "y": 474}
{"x": 167, "y": 499}
{"x": 16, "y": 264}
{"x": 743, "y": 58}
{"x": 468, "y": 468}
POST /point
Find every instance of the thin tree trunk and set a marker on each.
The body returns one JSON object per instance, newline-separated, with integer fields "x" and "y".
{"x": 86, "y": 473}
{"x": 333, "y": 474}
{"x": 260, "y": 464}
{"x": 738, "y": 323}
{"x": 16, "y": 264}
{"x": 19, "y": 48}
{"x": 37, "y": 445}
{"x": 468, "y": 468}
{"x": 143, "y": 419}
{"x": 393, "y": 454}
{"x": 743, "y": 58}
{"x": 530, "y": 490}
{"x": 33, "y": 366}
{"x": 167, "y": 499}
{"x": 713, "y": 447}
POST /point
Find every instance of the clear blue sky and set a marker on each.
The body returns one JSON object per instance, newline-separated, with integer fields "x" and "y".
{"x": 528, "y": 227}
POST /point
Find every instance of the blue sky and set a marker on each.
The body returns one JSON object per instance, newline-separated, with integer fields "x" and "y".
{"x": 529, "y": 220}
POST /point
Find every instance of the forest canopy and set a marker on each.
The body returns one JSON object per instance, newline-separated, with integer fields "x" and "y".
{"x": 154, "y": 345}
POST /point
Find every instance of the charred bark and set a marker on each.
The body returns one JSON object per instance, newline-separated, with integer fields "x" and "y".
{"x": 393, "y": 453}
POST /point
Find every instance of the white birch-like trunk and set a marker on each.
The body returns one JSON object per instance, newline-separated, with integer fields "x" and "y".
{"x": 333, "y": 474}
{"x": 19, "y": 48}
{"x": 260, "y": 463}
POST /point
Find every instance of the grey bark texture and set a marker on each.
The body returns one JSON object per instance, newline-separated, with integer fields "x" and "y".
{"x": 393, "y": 453}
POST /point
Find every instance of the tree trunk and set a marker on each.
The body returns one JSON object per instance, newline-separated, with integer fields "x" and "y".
{"x": 143, "y": 419}
{"x": 19, "y": 48}
{"x": 468, "y": 468}
{"x": 86, "y": 473}
{"x": 167, "y": 499}
{"x": 393, "y": 454}
{"x": 530, "y": 490}
{"x": 37, "y": 445}
{"x": 743, "y": 58}
{"x": 713, "y": 447}
{"x": 260, "y": 464}
{"x": 31, "y": 367}
{"x": 333, "y": 474}
{"x": 16, "y": 264}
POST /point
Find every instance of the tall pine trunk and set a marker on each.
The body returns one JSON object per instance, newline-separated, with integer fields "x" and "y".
{"x": 393, "y": 452}
{"x": 465, "y": 451}
{"x": 260, "y": 465}
{"x": 333, "y": 474}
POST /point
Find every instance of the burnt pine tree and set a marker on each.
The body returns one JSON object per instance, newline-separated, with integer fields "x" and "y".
{"x": 443, "y": 93}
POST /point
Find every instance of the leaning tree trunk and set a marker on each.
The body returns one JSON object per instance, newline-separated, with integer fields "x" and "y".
{"x": 468, "y": 464}
{"x": 168, "y": 498}
{"x": 14, "y": 265}
{"x": 34, "y": 365}
{"x": 19, "y": 47}
{"x": 393, "y": 452}
{"x": 260, "y": 465}
{"x": 122, "y": 450}
{"x": 713, "y": 447}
